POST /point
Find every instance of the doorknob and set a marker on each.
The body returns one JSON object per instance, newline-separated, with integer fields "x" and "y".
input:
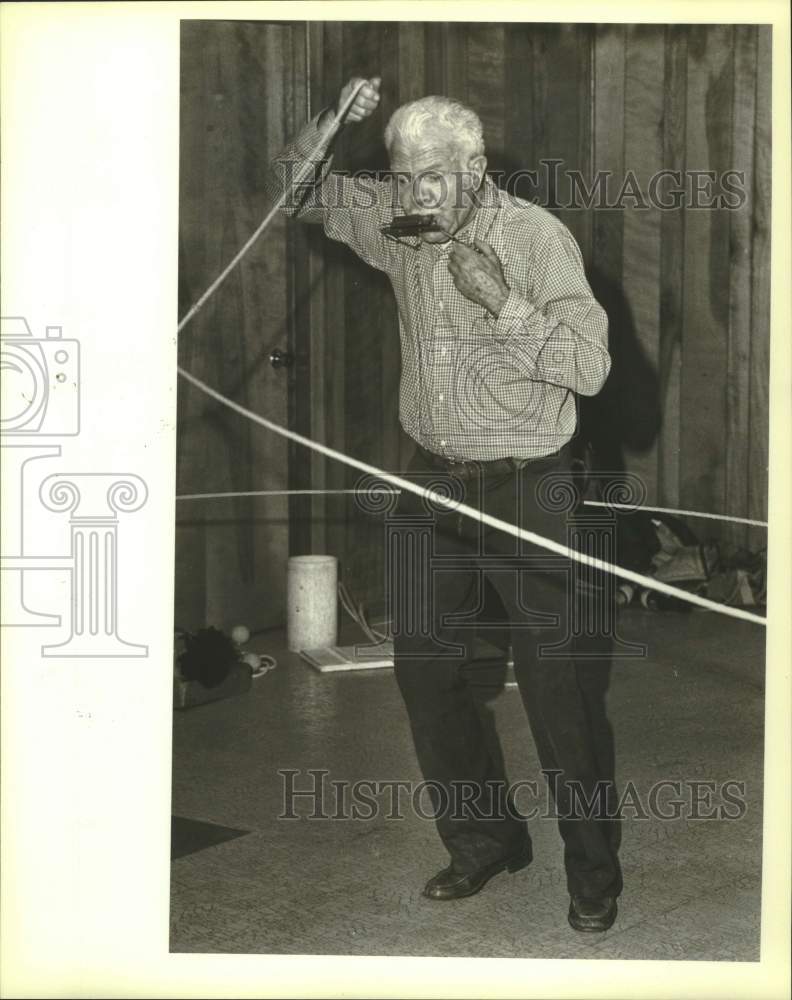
{"x": 281, "y": 359}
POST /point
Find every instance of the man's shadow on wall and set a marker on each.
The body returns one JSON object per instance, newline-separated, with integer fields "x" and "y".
{"x": 624, "y": 417}
{"x": 626, "y": 413}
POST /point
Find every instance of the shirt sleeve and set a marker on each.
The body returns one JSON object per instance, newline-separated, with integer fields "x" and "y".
{"x": 351, "y": 209}
{"x": 551, "y": 326}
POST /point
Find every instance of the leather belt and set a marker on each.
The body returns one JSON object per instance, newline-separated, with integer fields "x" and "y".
{"x": 466, "y": 468}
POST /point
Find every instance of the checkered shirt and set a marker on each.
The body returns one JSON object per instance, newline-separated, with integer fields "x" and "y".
{"x": 472, "y": 386}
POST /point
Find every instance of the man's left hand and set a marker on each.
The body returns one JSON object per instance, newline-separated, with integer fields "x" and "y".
{"x": 479, "y": 276}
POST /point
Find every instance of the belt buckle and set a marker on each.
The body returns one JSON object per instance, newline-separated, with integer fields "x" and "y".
{"x": 462, "y": 468}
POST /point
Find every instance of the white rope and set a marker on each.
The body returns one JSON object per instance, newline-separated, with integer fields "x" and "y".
{"x": 397, "y": 481}
{"x": 301, "y": 176}
{"x": 670, "y": 510}
{"x": 590, "y": 503}
{"x": 494, "y": 522}
{"x": 268, "y": 493}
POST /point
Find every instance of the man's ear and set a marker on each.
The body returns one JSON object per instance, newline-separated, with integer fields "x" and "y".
{"x": 477, "y": 165}
{"x": 473, "y": 176}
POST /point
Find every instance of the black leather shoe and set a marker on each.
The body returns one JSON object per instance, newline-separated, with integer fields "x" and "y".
{"x": 592, "y": 914}
{"x": 451, "y": 884}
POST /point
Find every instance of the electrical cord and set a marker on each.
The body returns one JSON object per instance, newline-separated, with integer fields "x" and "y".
{"x": 357, "y": 613}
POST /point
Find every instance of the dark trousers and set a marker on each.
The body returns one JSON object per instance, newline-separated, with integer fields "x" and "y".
{"x": 440, "y": 565}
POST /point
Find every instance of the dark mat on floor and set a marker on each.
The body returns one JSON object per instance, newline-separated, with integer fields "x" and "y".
{"x": 191, "y": 835}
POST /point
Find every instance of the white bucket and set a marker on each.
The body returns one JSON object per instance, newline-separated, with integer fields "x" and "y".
{"x": 312, "y": 602}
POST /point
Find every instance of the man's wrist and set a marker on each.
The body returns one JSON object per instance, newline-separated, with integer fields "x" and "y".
{"x": 514, "y": 316}
{"x": 497, "y": 305}
{"x": 325, "y": 119}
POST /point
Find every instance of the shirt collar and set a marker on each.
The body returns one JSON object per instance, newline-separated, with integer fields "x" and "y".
{"x": 488, "y": 211}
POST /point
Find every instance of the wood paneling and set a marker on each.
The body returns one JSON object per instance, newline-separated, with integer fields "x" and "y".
{"x": 369, "y": 323}
{"x": 562, "y": 108}
{"x": 605, "y": 419}
{"x": 335, "y": 260}
{"x": 237, "y": 99}
{"x": 485, "y": 80}
{"x": 761, "y": 184}
{"x": 411, "y": 56}
{"x": 672, "y": 253}
{"x": 520, "y": 158}
{"x": 706, "y": 274}
{"x": 304, "y": 307}
{"x": 313, "y": 536}
{"x": 608, "y": 143}
{"x": 644, "y": 72}
{"x": 740, "y": 239}
{"x": 686, "y": 289}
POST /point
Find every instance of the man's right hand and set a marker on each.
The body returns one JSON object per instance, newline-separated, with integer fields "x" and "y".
{"x": 366, "y": 102}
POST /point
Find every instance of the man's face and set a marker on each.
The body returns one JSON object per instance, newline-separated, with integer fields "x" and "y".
{"x": 433, "y": 179}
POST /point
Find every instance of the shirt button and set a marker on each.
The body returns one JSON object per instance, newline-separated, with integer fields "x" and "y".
{"x": 442, "y": 444}
{"x": 440, "y": 304}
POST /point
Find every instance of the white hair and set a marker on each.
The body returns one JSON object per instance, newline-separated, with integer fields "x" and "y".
{"x": 411, "y": 123}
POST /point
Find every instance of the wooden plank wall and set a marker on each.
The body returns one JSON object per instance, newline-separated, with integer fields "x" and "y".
{"x": 353, "y": 336}
{"x": 686, "y": 284}
{"x": 239, "y": 97}
{"x": 705, "y": 329}
{"x": 760, "y": 185}
{"x": 686, "y": 290}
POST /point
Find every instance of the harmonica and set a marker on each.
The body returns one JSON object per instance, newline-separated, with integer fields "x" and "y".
{"x": 411, "y": 225}
{"x": 414, "y": 225}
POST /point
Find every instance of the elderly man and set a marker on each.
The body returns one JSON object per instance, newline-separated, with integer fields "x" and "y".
{"x": 499, "y": 331}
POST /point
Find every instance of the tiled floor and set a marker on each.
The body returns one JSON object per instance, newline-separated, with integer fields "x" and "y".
{"x": 691, "y": 711}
